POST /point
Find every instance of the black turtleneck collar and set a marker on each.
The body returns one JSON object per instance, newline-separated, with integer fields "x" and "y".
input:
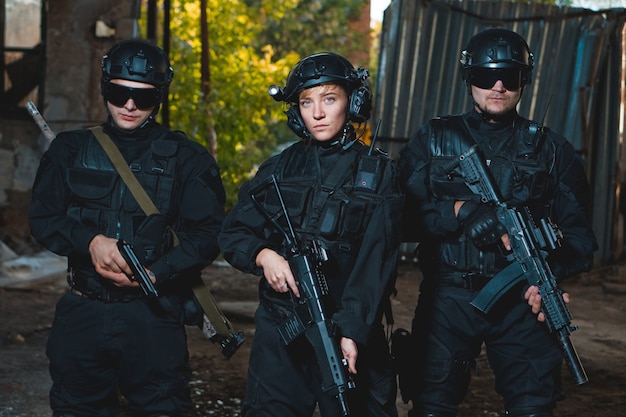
{"x": 148, "y": 132}
{"x": 133, "y": 144}
{"x": 491, "y": 136}
{"x": 477, "y": 121}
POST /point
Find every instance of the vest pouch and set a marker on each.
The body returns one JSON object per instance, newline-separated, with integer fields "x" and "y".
{"x": 331, "y": 217}
{"x": 356, "y": 215}
{"x": 148, "y": 183}
{"x": 463, "y": 255}
{"x": 530, "y": 185}
{"x": 160, "y": 188}
{"x": 455, "y": 253}
{"x": 445, "y": 182}
{"x": 91, "y": 185}
{"x": 152, "y": 238}
{"x": 528, "y": 181}
{"x": 86, "y": 216}
{"x": 504, "y": 175}
{"x": 295, "y": 196}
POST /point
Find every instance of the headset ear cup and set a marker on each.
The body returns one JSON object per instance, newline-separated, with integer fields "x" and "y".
{"x": 360, "y": 105}
{"x": 295, "y": 122}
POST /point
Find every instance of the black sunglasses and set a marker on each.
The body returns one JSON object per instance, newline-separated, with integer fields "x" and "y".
{"x": 486, "y": 77}
{"x": 144, "y": 98}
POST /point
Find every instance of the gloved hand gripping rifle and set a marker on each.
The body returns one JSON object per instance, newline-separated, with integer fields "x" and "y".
{"x": 309, "y": 317}
{"x": 529, "y": 243}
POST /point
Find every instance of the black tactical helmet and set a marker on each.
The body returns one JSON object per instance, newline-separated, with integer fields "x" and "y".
{"x": 497, "y": 48}
{"x": 136, "y": 60}
{"x": 318, "y": 69}
{"x": 321, "y": 68}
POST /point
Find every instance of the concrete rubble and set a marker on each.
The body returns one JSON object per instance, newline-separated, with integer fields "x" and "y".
{"x": 23, "y": 271}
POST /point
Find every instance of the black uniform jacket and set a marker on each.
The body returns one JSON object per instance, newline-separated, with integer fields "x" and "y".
{"x": 195, "y": 208}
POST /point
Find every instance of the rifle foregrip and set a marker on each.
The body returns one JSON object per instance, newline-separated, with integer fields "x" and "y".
{"x": 318, "y": 330}
{"x": 333, "y": 368}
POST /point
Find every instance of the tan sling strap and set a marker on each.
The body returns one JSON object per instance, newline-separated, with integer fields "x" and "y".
{"x": 218, "y": 323}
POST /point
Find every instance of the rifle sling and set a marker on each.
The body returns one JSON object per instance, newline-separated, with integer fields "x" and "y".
{"x": 202, "y": 293}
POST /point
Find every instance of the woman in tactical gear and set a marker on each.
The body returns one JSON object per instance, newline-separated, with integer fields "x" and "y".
{"x": 465, "y": 245}
{"x": 108, "y": 337}
{"x": 329, "y": 199}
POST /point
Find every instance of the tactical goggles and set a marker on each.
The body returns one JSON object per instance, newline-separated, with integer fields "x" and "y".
{"x": 144, "y": 98}
{"x": 487, "y": 77}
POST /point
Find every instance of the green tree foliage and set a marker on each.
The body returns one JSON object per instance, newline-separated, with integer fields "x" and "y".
{"x": 252, "y": 45}
{"x": 310, "y": 26}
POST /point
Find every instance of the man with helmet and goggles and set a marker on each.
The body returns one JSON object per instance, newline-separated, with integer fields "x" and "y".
{"x": 463, "y": 245}
{"x": 342, "y": 199}
{"x": 109, "y": 338}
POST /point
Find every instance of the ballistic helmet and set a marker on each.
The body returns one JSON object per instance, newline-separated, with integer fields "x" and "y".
{"x": 498, "y": 50}
{"x": 137, "y": 60}
{"x": 322, "y": 68}
{"x": 319, "y": 69}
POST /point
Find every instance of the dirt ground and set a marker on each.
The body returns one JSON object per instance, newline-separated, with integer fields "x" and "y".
{"x": 598, "y": 307}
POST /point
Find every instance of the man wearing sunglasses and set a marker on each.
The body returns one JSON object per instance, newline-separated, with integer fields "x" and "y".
{"x": 463, "y": 245}
{"x": 109, "y": 337}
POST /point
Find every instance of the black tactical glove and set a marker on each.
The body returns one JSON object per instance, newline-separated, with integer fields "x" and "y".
{"x": 480, "y": 223}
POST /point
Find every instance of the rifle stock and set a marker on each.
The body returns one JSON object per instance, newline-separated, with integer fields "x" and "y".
{"x": 528, "y": 255}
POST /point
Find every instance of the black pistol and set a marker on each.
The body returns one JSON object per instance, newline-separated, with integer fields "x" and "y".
{"x": 139, "y": 272}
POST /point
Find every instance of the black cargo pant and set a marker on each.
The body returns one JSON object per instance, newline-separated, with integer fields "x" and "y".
{"x": 285, "y": 381}
{"x": 449, "y": 332}
{"x": 99, "y": 350}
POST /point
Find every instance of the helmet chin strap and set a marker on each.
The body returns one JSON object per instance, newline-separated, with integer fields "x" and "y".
{"x": 150, "y": 118}
{"x": 348, "y": 131}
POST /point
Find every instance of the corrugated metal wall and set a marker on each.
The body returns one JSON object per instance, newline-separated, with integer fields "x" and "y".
{"x": 575, "y": 88}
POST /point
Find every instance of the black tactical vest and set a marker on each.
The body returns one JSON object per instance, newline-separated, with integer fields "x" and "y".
{"x": 521, "y": 165}
{"x": 330, "y": 201}
{"x": 100, "y": 199}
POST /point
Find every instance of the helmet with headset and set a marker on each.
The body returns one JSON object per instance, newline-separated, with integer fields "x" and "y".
{"x": 140, "y": 61}
{"x": 323, "y": 68}
{"x": 497, "y": 54}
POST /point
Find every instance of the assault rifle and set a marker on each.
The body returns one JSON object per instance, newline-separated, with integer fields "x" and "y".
{"x": 529, "y": 245}
{"x": 309, "y": 317}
